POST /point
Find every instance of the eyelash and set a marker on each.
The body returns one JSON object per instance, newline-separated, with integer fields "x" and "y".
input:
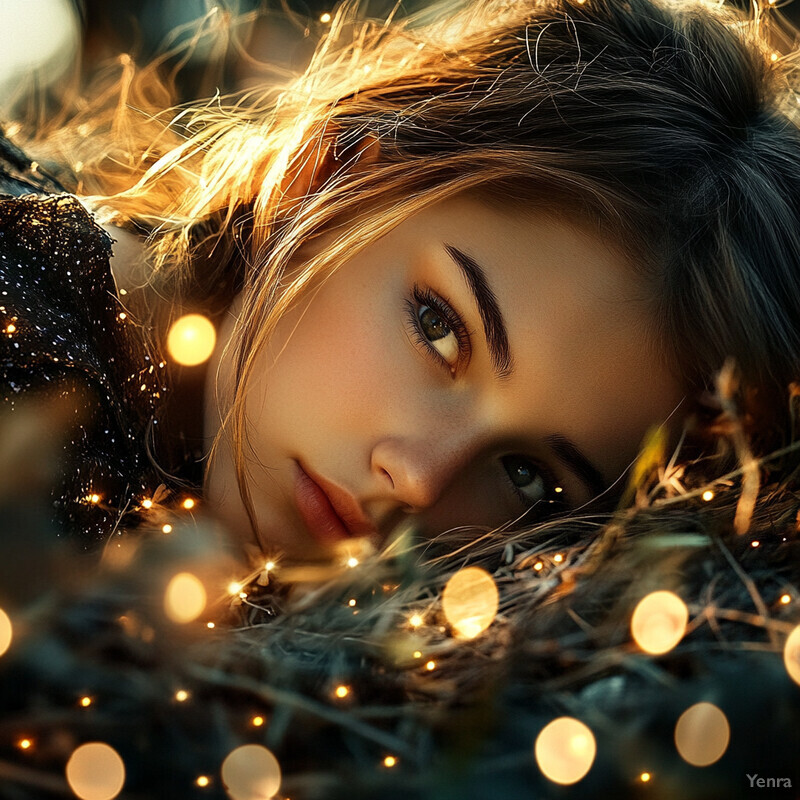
{"x": 421, "y": 296}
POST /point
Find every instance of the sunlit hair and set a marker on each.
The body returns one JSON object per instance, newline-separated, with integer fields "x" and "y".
{"x": 671, "y": 127}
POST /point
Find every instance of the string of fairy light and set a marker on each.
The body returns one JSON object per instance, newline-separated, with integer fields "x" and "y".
{"x": 564, "y": 750}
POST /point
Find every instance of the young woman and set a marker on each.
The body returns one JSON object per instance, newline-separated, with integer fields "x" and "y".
{"x": 460, "y": 269}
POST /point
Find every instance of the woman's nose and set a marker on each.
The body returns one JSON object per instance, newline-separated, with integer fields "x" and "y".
{"x": 418, "y": 471}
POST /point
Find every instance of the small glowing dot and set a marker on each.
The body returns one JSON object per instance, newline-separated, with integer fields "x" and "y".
{"x": 269, "y": 565}
{"x": 167, "y": 528}
{"x": 94, "y": 498}
{"x": 351, "y": 602}
{"x": 645, "y": 777}
{"x": 147, "y": 503}
{"x": 774, "y": 56}
{"x": 79, "y": 167}
{"x": 495, "y": 41}
{"x": 86, "y": 701}
{"x": 191, "y": 340}
{"x": 235, "y": 588}
{"x": 417, "y": 654}
{"x": 243, "y": 595}
{"x": 181, "y": 695}
{"x": 210, "y": 625}
{"x": 558, "y": 558}
{"x": 367, "y": 68}
{"x": 202, "y": 781}
{"x": 326, "y": 17}
{"x": 538, "y": 565}
{"x": 755, "y": 543}
{"x": 342, "y": 691}
{"x": 188, "y": 503}
{"x": 707, "y": 495}
{"x": 785, "y": 599}
{"x": 558, "y": 489}
{"x": 415, "y": 620}
{"x": 389, "y": 761}
{"x": 24, "y": 744}
{"x": 11, "y": 327}
{"x": 257, "y": 721}
{"x": 123, "y": 315}
{"x": 352, "y": 561}
{"x": 430, "y": 666}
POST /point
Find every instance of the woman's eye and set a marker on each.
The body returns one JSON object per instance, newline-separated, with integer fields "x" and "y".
{"x": 526, "y": 478}
{"x": 436, "y": 330}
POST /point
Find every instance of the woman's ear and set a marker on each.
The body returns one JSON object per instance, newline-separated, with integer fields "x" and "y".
{"x": 319, "y": 159}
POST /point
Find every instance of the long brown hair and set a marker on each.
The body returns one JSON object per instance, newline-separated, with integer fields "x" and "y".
{"x": 672, "y": 126}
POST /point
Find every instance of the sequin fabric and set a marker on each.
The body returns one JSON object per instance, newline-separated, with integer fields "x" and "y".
{"x": 62, "y": 326}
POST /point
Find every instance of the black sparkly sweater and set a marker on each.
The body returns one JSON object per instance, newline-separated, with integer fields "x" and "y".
{"x": 65, "y": 338}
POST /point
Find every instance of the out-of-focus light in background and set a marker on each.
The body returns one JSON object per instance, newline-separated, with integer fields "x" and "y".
{"x": 41, "y": 42}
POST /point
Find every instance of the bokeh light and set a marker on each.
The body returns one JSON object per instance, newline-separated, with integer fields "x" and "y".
{"x": 791, "y": 655}
{"x": 702, "y": 734}
{"x": 469, "y": 601}
{"x": 251, "y": 772}
{"x": 40, "y": 42}
{"x": 6, "y": 632}
{"x": 659, "y": 622}
{"x": 185, "y": 598}
{"x": 565, "y": 750}
{"x": 191, "y": 339}
{"x": 95, "y": 771}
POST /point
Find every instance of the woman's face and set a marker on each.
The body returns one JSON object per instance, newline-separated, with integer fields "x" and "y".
{"x": 473, "y": 366}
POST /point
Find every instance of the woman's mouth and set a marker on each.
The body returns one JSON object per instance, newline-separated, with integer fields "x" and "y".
{"x": 331, "y": 514}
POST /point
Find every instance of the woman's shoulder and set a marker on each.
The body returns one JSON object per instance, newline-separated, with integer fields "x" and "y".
{"x": 63, "y": 324}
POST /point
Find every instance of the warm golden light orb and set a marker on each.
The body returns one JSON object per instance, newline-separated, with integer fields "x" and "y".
{"x": 188, "y": 503}
{"x": 659, "y": 622}
{"x": 251, "y": 772}
{"x": 166, "y": 528}
{"x": 791, "y": 655}
{"x": 95, "y": 771}
{"x": 257, "y": 721}
{"x": 6, "y": 632}
{"x": 342, "y": 692}
{"x": 185, "y": 598}
{"x": 202, "y": 781}
{"x": 191, "y": 340}
{"x": 86, "y": 701}
{"x": 565, "y": 750}
{"x": 645, "y": 777}
{"x": 470, "y": 601}
{"x": 708, "y": 495}
{"x": 702, "y": 734}
{"x": 389, "y": 761}
{"x": 181, "y": 695}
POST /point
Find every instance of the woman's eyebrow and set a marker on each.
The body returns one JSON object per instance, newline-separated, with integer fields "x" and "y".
{"x": 492, "y": 318}
{"x": 568, "y": 453}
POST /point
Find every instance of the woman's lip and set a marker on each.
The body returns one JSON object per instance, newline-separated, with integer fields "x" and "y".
{"x": 317, "y": 510}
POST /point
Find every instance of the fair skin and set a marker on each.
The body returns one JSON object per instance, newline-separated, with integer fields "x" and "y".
{"x": 369, "y": 387}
